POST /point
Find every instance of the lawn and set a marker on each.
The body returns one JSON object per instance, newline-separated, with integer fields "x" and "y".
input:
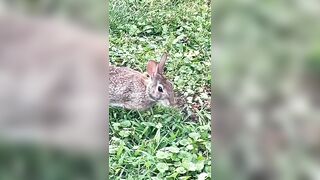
{"x": 163, "y": 143}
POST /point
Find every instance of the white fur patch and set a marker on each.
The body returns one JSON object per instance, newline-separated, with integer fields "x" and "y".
{"x": 164, "y": 102}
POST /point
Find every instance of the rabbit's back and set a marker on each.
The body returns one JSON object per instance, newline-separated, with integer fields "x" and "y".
{"x": 128, "y": 88}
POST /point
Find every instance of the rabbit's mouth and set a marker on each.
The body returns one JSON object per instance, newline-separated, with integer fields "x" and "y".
{"x": 153, "y": 98}
{"x": 165, "y": 102}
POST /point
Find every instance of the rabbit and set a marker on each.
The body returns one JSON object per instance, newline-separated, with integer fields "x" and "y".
{"x": 131, "y": 89}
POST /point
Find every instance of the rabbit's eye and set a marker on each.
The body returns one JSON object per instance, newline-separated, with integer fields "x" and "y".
{"x": 160, "y": 89}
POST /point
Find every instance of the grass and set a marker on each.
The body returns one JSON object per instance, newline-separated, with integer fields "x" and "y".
{"x": 163, "y": 143}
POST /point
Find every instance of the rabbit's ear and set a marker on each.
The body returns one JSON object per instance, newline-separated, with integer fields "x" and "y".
{"x": 162, "y": 63}
{"x": 152, "y": 68}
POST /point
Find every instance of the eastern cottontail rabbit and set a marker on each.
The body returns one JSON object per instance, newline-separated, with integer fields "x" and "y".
{"x": 131, "y": 89}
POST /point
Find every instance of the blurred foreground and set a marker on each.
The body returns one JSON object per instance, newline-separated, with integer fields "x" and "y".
{"x": 53, "y": 100}
{"x": 266, "y": 69}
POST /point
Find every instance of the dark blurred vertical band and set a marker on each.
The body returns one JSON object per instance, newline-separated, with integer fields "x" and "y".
{"x": 108, "y": 45}
{"x": 53, "y": 89}
{"x": 266, "y": 74}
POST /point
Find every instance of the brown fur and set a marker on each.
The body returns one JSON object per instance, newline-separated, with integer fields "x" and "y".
{"x": 131, "y": 89}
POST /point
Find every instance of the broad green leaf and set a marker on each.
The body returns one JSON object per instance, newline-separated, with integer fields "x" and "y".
{"x": 194, "y": 135}
{"x": 162, "y": 155}
{"x": 190, "y": 147}
{"x": 173, "y": 149}
{"x": 184, "y": 142}
{"x": 162, "y": 167}
{"x": 181, "y": 170}
{"x": 202, "y": 176}
{"x": 199, "y": 165}
{"x": 124, "y": 133}
{"x": 190, "y": 166}
{"x": 126, "y": 123}
{"x": 116, "y": 126}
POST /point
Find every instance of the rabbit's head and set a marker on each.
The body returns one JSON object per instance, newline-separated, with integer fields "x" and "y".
{"x": 159, "y": 88}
